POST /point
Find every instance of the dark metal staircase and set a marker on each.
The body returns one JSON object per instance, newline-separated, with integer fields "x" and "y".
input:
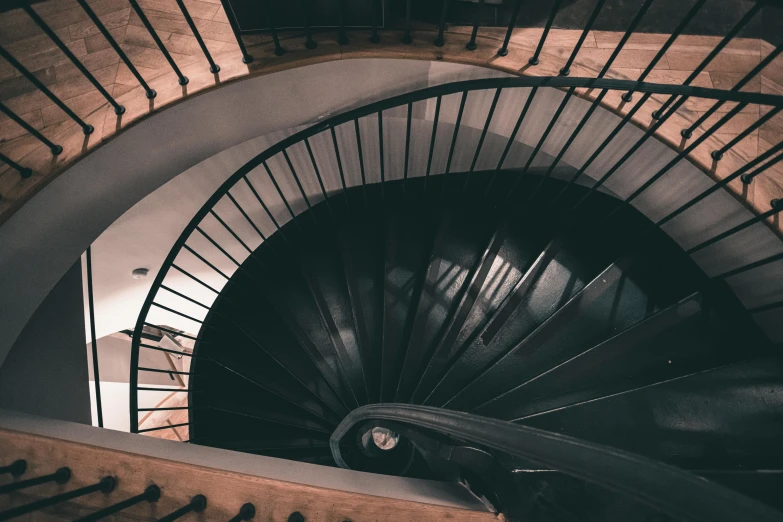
{"x": 462, "y": 292}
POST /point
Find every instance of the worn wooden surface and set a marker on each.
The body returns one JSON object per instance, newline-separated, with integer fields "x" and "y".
{"x": 226, "y": 491}
{"x": 25, "y": 41}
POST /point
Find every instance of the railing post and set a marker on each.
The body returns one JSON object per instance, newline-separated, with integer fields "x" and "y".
{"x": 471, "y": 45}
{"x": 151, "y": 494}
{"x": 24, "y": 172}
{"x": 87, "y": 129}
{"x": 118, "y": 109}
{"x": 533, "y": 60}
{"x": 16, "y": 468}
{"x": 309, "y": 42}
{"x": 279, "y": 51}
{"x": 213, "y": 67}
{"x": 183, "y": 80}
{"x": 197, "y": 504}
{"x": 61, "y": 476}
{"x": 232, "y": 21}
{"x": 407, "y": 37}
{"x": 375, "y": 37}
{"x": 246, "y": 512}
{"x": 55, "y": 149}
{"x": 503, "y": 51}
{"x": 105, "y": 485}
{"x": 114, "y": 45}
{"x": 93, "y": 337}
{"x": 439, "y": 41}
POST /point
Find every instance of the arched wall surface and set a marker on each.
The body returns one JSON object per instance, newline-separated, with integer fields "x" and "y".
{"x": 192, "y": 135}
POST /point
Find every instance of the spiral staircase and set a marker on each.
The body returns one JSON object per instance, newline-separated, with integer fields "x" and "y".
{"x": 513, "y": 285}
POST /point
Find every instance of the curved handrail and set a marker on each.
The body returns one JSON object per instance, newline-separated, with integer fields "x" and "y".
{"x": 571, "y": 83}
{"x": 663, "y": 487}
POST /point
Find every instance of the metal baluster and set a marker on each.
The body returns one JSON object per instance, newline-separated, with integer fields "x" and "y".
{"x": 380, "y": 145}
{"x": 777, "y": 206}
{"x": 213, "y": 67}
{"x": 750, "y": 266}
{"x": 718, "y": 154}
{"x": 342, "y": 36}
{"x": 361, "y": 158}
{"x": 87, "y": 129}
{"x": 56, "y": 149}
{"x": 246, "y": 512}
{"x": 687, "y": 133}
{"x": 432, "y": 141}
{"x": 15, "y": 469}
{"x": 279, "y": 51}
{"x": 407, "y": 37}
{"x": 61, "y": 476}
{"x": 628, "y": 96}
{"x": 483, "y": 136}
{"x": 456, "y": 134}
{"x": 24, "y": 172}
{"x": 748, "y": 178}
{"x": 309, "y": 42}
{"x": 118, "y": 109}
{"x": 197, "y": 504}
{"x": 232, "y": 21}
{"x": 93, "y": 337}
{"x": 533, "y": 60}
{"x": 105, "y": 485}
{"x": 183, "y": 80}
{"x": 151, "y": 494}
{"x": 439, "y": 41}
{"x": 566, "y": 70}
{"x": 375, "y": 38}
{"x": 471, "y": 45}
{"x": 407, "y": 147}
{"x": 718, "y": 48}
{"x": 503, "y": 51}
{"x": 114, "y": 45}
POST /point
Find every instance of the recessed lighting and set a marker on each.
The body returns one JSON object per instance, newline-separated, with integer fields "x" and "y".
{"x": 140, "y": 273}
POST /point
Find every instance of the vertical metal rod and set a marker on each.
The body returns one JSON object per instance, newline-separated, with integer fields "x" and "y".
{"x": 748, "y": 178}
{"x": 342, "y": 36}
{"x": 471, "y": 45}
{"x": 213, "y": 67}
{"x": 407, "y": 37}
{"x": 339, "y": 164}
{"x": 105, "y": 485}
{"x": 375, "y": 37}
{"x": 279, "y": 51}
{"x": 631, "y": 28}
{"x": 309, "y": 42}
{"x": 483, "y": 135}
{"x": 432, "y": 140}
{"x": 740, "y": 172}
{"x": 61, "y": 476}
{"x": 407, "y": 147}
{"x": 118, "y": 109}
{"x": 117, "y": 49}
{"x": 503, "y": 51}
{"x": 627, "y": 97}
{"x": 24, "y": 172}
{"x": 597, "y": 152}
{"x": 533, "y": 60}
{"x": 87, "y": 129}
{"x": 566, "y": 69}
{"x": 777, "y": 206}
{"x": 183, "y": 80}
{"x": 246, "y": 512}
{"x": 318, "y": 172}
{"x": 718, "y": 48}
{"x": 196, "y": 504}
{"x": 687, "y": 133}
{"x": 380, "y": 144}
{"x": 56, "y": 149}
{"x": 456, "y": 133}
{"x": 232, "y": 21}
{"x": 95, "y": 371}
{"x": 361, "y": 158}
{"x": 151, "y": 494}
{"x": 718, "y": 154}
{"x": 15, "y": 469}
{"x": 439, "y": 41}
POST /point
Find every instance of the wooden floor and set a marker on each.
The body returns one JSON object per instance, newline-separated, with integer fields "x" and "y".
{"x": 22, "y": 38}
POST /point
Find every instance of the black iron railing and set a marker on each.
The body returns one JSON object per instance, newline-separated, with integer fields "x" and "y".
{"x": 377, "y": 9}
{"x": 106, "y": 485}
{"x": 355, "y": 136}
